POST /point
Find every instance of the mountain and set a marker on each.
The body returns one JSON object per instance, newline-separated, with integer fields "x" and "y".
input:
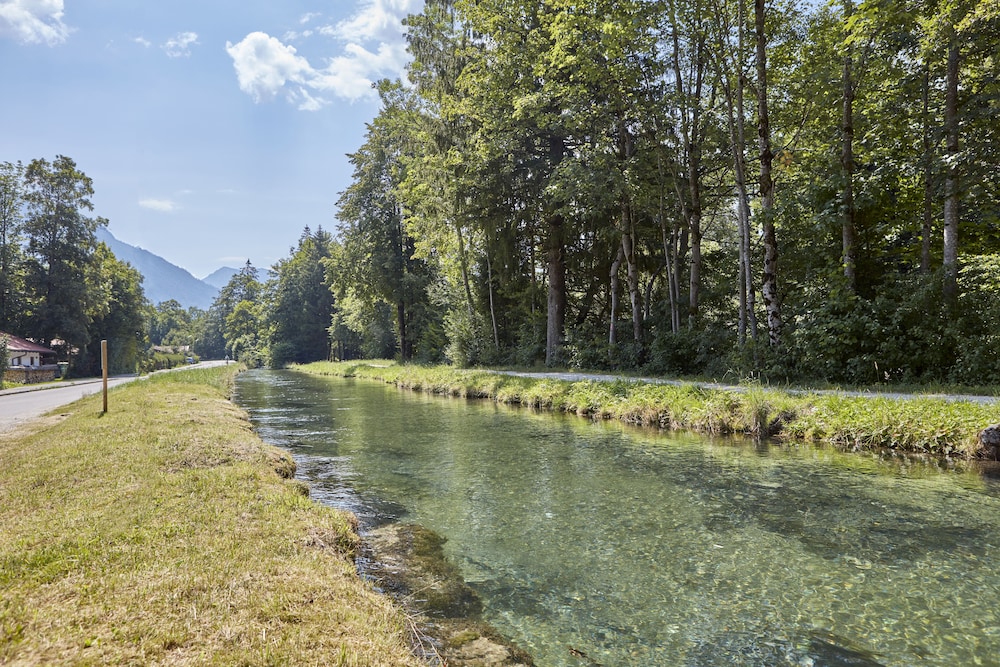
{"x": 220, "y": 277}
{"x": 162, "y": 280}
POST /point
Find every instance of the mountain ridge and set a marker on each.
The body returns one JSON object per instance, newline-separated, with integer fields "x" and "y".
{"x": 162, "y": 280}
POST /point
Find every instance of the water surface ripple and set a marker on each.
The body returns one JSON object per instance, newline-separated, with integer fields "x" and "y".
{"x": 640, "y": 548}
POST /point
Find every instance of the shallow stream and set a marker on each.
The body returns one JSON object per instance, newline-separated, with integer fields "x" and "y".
{"x": 598, "y": 544}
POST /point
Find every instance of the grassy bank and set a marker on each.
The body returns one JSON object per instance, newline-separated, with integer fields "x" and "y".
{"x": 924, "y": 425}
{"x": 166, "y": 532}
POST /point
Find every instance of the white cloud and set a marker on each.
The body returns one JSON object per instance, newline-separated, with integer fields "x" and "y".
{"x": 264, "y": 65}
{"x": 162, "y": 205}
{"x": 306, "y": 101}
{"x": 179, "y": 46}
{"x": 377, "y": 20}
{"x": 373, "y": 48}
{"x": 142, "y": 41}
{"x": 34, "y": 21}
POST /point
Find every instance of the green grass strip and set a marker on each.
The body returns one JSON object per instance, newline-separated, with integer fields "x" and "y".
{"x": 921, "y": 425}
{"x": 166, "y": 532}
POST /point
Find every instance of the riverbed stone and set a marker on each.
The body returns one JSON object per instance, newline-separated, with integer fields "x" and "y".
{"x": 408, "y": 562}
{"x": 989, "y": 440}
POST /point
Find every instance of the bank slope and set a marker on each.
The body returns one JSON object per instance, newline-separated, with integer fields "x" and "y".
{"x": 934, "y": 426}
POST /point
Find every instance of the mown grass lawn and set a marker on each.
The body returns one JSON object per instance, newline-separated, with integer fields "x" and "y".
{"x": 166, "y": 532}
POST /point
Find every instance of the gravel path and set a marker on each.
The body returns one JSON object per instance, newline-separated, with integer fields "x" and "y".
{"x": 603, "y": 377}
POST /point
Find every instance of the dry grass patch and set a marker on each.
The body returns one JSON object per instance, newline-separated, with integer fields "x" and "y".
{"x": 165, "y": 533}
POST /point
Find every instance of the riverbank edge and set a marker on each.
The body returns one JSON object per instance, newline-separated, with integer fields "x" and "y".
{"x": 166, "y": 531}
{"x": 921, "y": 426}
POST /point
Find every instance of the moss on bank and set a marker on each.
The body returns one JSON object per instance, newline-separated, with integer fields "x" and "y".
{"x": 918, "y": 425}
{"x": 166, "y": 532}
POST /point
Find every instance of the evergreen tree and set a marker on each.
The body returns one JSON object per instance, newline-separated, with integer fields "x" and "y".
{"x": 61, "y": 241}
{"x": 303, "y": 302}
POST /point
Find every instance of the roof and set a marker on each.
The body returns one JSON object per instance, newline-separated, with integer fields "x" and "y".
{"x": 18, "y": 344}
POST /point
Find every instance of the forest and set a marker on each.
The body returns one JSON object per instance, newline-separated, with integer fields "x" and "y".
{"x": 768, "y": 189}
{"x": 774, "y": 190}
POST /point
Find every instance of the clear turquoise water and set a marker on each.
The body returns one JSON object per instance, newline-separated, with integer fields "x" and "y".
{"x": 640, "y": 548}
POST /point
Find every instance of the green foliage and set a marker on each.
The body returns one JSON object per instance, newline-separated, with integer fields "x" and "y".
{"x": 60, "y": 242}
{"x": 118, "y": 315}
{"x": 58, "y": 286}
{"x": 234, "y": 326}
{"x": 4, "y": 358}
{"x": 303, "y": 303}
{"x": 11, "y": 245}
{"x": 375, "y": 265}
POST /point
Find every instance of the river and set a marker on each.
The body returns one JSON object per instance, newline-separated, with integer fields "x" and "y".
{"x": 636, "y": 547}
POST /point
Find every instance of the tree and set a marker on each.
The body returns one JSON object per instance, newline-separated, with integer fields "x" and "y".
{"x": 303, "y": 302}
{"x": 11, "y": 238}
{"x": 60, "y": 243}
{"x": 514, "y": 89}
{"x": 171, "y": 324}
{"x": 239, "y": 337}
{"x": 376, "y": 260}
{"x": 4, "y": 358}
{"x": 769, "y": 284}
{"x": 118, "y": 315}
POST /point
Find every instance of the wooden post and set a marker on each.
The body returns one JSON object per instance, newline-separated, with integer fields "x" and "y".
{"x": 104, "y": 371}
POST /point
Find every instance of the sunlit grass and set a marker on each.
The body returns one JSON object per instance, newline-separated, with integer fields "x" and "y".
{"x": 164, "y": 532}
{"x": 923, "y": 425}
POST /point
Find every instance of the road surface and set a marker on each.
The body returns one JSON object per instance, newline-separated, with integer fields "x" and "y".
{"x": 22, "y": 404}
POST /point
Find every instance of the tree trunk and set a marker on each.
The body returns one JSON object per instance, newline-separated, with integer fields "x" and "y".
{"x": 555, "y": 321}
{"x": 689, "y": 100}
{"x": 613, "y": 328}
{"x": 626, "y": 150}
{"x": 669, "y": 238}
{"x": 952, "y": 176}
{"x": 769, "y": 284}
{"x": 928, "y": 221}
{"x": 849, "y": 232}
{"x": 556, "y": 301}
{"x": 464, "y": 265}
{"x": 736, "y": 124}
{"x": 493, "y": 311}
{"x": 634, "y": 289}
{"x": 405, "y": 349}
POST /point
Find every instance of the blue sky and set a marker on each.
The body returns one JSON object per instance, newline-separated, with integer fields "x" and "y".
{"x": 214, "y": 130}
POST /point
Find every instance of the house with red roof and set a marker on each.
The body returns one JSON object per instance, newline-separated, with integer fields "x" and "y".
{"x": 28, "y": 362}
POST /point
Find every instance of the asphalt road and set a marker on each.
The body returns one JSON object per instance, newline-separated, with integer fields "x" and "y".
{"x": 18, "y": 407}
{"x": 22, "y": 404}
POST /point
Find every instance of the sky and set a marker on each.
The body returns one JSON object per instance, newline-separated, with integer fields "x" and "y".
{"x": 214, "y": 130}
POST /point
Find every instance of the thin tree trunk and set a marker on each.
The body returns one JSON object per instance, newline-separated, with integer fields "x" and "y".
{"x": 928, "y": 221}
{"x": 736, "y": 122}
{"x": 555, "y": 270}
{"x": 669, "y": 251}
{"x": 613, "y": 328}
{"x": 493, "y": 311}
{"x": 625, "y": 152}
{"x": 404, "y": 343}
{"x": 634, "y": 292}
{"x": 556, "y": 300}
{"x": 669, "y": 247}
{"x": 689, "y": 101}
{"x": 849, "y": 231}
{"x": 951, "y": 179}
{"x": 464, "y": 265}
{"x": 769, "y": 284}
